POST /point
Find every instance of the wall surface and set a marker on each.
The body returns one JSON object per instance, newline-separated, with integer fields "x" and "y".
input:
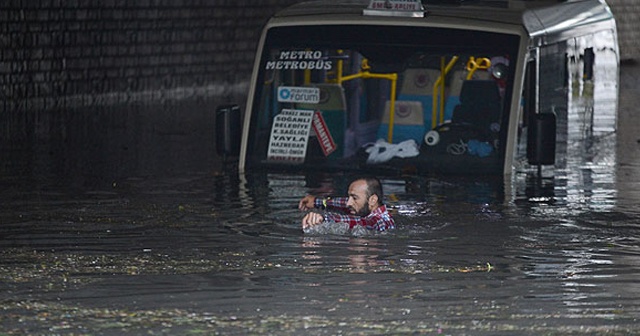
{"x": 120, "y": 86}
{"x": 627, "y": 14}
{"x": 79, "y": 53}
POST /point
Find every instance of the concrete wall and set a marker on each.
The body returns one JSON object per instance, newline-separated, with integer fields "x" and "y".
{"x": 120, "y": 86}
{"x": 627, "y": 14}
{"x": 79, "y": 53}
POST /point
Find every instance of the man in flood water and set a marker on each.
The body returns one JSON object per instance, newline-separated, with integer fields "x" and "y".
{"x": 363, "y": 207}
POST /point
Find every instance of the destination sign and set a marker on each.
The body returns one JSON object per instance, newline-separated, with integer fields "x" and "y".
{"x": 290, "y": 135}
{"x": 407, "y": 5}
{"x": 405, "y": 8}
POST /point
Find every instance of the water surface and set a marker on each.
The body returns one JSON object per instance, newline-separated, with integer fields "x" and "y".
{"x": 209, "y": 252}
{"x": 203, "y": 253}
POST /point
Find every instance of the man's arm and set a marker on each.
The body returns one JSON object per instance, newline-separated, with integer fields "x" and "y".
{"x": 311, "y": 219}
{"x": 307, "y": 203}
{"x": 310, "y": 202}
{"x": 380, "y": 222}
{"x": 337, "y": 203}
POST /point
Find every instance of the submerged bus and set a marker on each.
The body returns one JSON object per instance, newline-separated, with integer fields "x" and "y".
{"x": 426, "y": 87}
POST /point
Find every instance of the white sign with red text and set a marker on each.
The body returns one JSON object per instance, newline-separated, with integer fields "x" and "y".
{"x": 408, "y": 5}
{"x": 322, "y": 132}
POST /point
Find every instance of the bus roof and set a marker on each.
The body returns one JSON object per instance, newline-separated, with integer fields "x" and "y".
{"x": 480, "y": 10}
{"x": 543, "y": 19}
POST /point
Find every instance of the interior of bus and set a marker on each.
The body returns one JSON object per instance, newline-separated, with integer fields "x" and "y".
{"x": 430, "y": 106}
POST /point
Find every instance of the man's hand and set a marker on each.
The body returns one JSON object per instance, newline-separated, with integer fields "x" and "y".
{"x": 311, "y": 219}
{"x": 307, "y": 203}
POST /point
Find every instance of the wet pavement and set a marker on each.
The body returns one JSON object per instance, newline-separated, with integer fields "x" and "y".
{"x": 191, "y": 250}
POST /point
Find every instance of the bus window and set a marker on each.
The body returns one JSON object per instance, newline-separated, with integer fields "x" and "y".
{"x": 347, "y": 97}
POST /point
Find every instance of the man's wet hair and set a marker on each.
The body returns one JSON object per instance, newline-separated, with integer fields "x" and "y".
{"x": 374, "y": 187}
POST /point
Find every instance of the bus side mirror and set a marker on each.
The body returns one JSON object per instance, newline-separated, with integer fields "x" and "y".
{"x": 228, "y": 130}
{"x": 541, "y": 139}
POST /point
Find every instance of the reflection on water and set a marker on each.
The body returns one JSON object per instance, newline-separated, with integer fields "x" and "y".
{"x": 206, "y": 253}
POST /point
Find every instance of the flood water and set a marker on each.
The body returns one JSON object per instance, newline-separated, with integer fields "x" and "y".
{"x": 207, "y": 252}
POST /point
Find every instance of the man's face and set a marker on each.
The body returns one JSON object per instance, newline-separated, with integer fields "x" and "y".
{"x": 358, "y": 202}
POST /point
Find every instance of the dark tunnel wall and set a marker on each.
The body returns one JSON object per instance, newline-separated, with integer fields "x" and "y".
{"x": 78, "y": 53}
{"x": 120, "y": 86}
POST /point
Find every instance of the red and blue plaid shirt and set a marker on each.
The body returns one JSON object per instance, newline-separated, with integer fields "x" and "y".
{"x": 379, "y": 219}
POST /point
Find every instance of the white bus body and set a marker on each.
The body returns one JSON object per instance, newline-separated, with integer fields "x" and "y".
{"x": 422, "y": 88}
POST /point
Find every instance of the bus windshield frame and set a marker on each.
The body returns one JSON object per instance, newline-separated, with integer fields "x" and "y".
{"x": 357, "y": 58}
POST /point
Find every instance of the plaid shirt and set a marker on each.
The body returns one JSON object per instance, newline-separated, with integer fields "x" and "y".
{"x": 379, "y": 219}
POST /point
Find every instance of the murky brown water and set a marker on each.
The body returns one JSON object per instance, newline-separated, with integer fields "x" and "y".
{"x": 205, "y": 253}
{"x": 198, "y": 254}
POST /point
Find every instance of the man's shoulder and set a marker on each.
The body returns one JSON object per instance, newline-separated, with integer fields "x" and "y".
{"x": 382, "y": 209}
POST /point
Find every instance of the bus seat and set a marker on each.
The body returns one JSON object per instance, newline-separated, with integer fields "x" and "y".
{"x": 413, "y": 106}
{"x": 333, "y": 108}
{"x": 455, "y": 86}
{"x": 408, "y": 122}
{"x": 453, "y": 93}
{"x": 417, "y": 85}
{"x": 480, "y": 104}
{"x": 419, "y": 81}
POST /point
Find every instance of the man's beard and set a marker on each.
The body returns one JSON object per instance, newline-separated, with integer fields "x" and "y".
{"x": 363, "y": 212}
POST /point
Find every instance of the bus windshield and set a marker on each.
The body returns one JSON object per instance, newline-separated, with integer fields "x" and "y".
{"x": 382, "y": 97}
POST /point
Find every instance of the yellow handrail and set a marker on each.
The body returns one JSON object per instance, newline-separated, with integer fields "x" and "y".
{"x": 340, "y": 68}
{"x": 477, "y": 63}
{"x": 444, "y": 72}
{"x": 440, "y": 97}
{"x": 365, "y": 74}
{"x": 307, "y": 77}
